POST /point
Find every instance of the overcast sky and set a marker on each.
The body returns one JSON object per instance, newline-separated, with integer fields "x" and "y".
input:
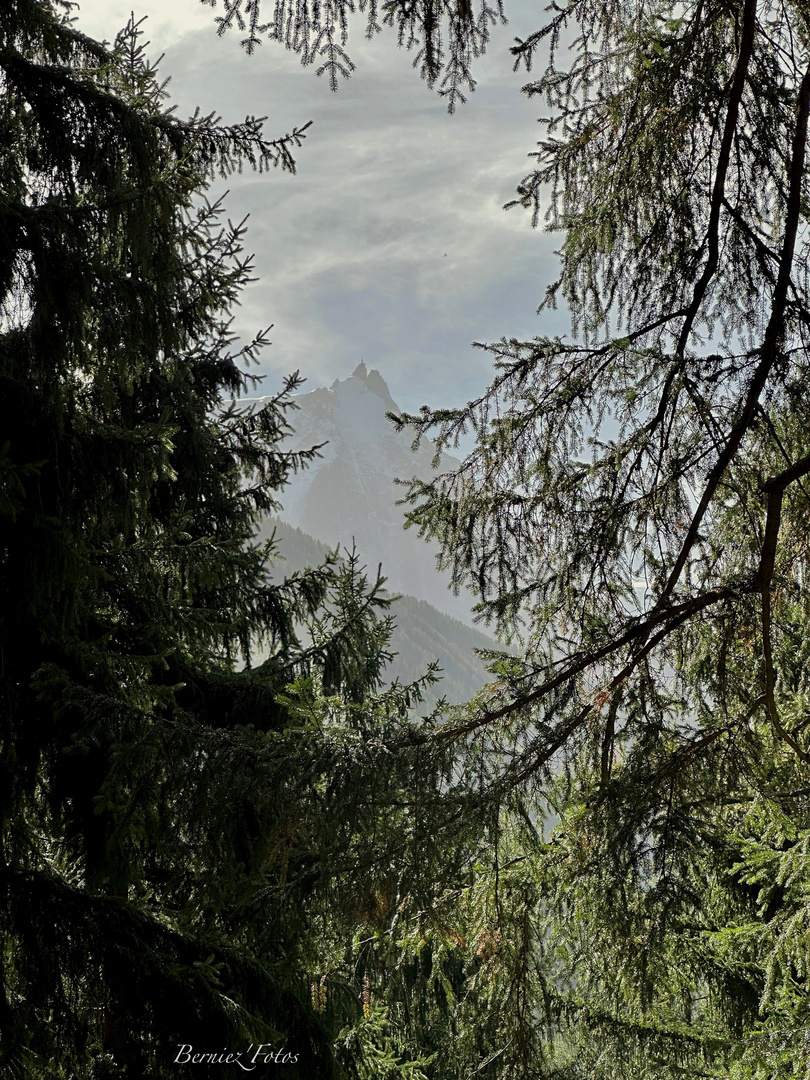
{"x": 390, "y": 243}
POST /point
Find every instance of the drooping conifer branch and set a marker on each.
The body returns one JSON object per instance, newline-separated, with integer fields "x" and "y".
{"x": 768, "y": 353}
{"x": 712, "y": 239}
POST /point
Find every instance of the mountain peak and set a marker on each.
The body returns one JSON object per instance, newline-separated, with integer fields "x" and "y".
{"x": 349, "y": 491}
{"x": 374, "y": 382}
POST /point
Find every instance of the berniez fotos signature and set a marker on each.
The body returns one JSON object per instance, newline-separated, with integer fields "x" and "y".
{"x": 247, "y": 1060}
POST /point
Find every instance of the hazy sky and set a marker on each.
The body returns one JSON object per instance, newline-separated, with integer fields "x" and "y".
{"x": 390, "y": 243}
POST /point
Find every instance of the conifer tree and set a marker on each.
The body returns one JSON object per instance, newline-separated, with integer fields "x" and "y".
{"x": 635, "y": 512}
{"x": 187, "y": 840}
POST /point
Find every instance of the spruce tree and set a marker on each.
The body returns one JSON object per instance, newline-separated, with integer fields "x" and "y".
{"x": 187, "y": 839}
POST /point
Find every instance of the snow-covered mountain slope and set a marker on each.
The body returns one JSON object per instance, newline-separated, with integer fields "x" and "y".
{"x": 349, "y": 494}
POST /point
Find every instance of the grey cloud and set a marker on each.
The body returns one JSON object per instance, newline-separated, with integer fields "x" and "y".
{"x": 390, "y": 242}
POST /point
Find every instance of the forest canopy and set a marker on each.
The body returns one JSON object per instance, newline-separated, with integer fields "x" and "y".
{"x": 596, "y": 867}
{"x": 635, "y": 512}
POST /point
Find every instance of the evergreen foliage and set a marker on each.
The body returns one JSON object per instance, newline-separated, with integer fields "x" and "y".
{"x": 445, "y": 35}
{"x": 635, "y": 513}
{"x": 421, "y": 635}
{"x": 194, "y": 853}
{"x": 185, "y": 843}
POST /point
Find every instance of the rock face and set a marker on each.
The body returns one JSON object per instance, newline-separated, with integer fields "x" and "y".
{"x": 349, "y": 493}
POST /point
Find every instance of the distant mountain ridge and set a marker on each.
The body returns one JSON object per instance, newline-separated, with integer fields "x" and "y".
{"x": 348, "y": 495}
{"x": 422, "y": 634}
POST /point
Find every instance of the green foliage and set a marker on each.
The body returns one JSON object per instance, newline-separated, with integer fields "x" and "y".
{"x": 278, "y": 852}
{"x": 635, "y": 513}
{"x": 420, "y": 636}
{"x": 635, "y": 509}
{"x": 182, "y": 833}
